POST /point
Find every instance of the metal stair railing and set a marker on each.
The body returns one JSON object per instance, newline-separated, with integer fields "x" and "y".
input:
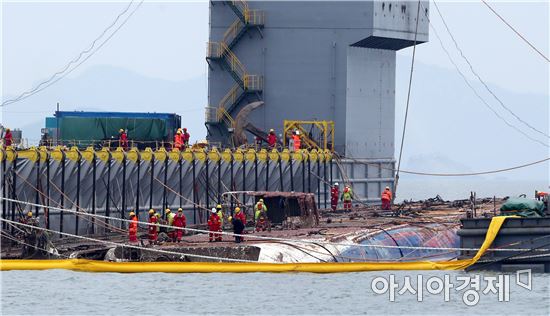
{"x": 233, "y": 32}
{"x": 234, "y": 63}
{"x": 310, "y": 143}
{"x": 224, "y": 116}
{"x": 231, "y": 97}
{"x": 253, "y": 82}
{"x": 213, "y": 50}
{"x": 255, "y": 17}
{"x": 241, "y": 9}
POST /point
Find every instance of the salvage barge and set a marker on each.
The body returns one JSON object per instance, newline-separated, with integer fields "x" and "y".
{"x": 530, "y": 237}
{"x": 382, "y": 236}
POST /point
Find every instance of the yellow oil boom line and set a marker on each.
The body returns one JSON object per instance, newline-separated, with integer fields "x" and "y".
{"x": 239, "y": 267}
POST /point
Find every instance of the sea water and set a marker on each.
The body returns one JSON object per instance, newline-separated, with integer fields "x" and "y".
{"x": 59, "y": 292}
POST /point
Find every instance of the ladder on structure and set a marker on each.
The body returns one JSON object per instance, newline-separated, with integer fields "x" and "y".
{"x": 221, "y": 52}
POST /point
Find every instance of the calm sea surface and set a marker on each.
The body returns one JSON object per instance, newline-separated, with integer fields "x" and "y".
{"x": 58, "y": 292}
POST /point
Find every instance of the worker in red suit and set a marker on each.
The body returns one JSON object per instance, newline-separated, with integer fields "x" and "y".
{"x": 297, "y": 141}
{"x": 133, "y": 227}
{"x": 178, "y": 140}
{"x": 180, "y": 222}
{"x": 153, "y": 233}
{"x": 272, "y": 139}
{"x": 185, "y": 138}
{"x": 123, "y": 139}
{"x": 214, "y": 225}
{"x": 386, "y": 199}
{"x": 334, "y": 195}
{"x": 8, "y": 138}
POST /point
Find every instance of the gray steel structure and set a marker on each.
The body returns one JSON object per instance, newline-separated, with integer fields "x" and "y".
{"x": 326, "y": 60}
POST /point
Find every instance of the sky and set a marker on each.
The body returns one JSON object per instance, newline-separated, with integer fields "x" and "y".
{"x": 167, "y": 41}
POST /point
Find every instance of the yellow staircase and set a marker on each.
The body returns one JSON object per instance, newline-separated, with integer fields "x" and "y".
{"x": 221, "y": 51}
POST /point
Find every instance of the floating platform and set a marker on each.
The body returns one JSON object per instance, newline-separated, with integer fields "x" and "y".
{"x": 516, "y": 233}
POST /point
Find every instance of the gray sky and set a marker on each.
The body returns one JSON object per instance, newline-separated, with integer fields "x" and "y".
{"x": 167, "y": 40}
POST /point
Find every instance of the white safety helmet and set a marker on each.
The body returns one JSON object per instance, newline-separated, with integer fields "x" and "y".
{"x": 214, "y": 210}
{"x": 297, "y": 132}
{"x": 336, "y": 184}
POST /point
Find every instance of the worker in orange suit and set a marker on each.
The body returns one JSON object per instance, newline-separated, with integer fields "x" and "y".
{"x": 8, "y": 138}
{"x": 180, "y": 222}
{"x": 133, "y": 227}
{"x": 297, "y": 142}
{"x": 153, "y": 233}
{"x": 214, "y": 225}
{"x": 178, "y": 139}
{"x": 386, "y": 199}
{"x": 334, "y": 195}
{"x": 185, "y": 138}
{"x": 272, "y": 139}
{"x": 123, "y": 139}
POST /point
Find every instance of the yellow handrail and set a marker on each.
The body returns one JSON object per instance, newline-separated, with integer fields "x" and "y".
{"x": 243, "y": 6}
{"x": 213, "y": 50}
{"x": 230, "y": 97}
{"x": 234, "y": 62}
{"x": 325, "y": 127}
{"x": 253, "y": 82}
{"x": 232, "y": 31}
{"x": 223, "y": 115}
{"x": 255, "y": 17}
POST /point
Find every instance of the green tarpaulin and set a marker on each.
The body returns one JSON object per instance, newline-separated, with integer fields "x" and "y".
{"x": 523, "y": 207}
{"x": 96, "y": 129}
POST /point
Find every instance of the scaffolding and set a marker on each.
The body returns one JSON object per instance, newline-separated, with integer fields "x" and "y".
{"x": 314, "y": 134}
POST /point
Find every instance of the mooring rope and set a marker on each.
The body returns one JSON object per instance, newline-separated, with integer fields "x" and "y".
{"x": 279, "y": 238}
{"x": 181, "y": 254}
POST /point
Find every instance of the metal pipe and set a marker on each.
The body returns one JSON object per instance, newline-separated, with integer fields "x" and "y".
{"x": 180, "y": 188}
{"x": 152, "y": 179}
{"x": 244, "y": 181}
{"x": 207, "y": 164}
{"x": 61, "y": 212}
{"x": 267, "y": 175}
{"x": 48, "y": 191}
{"x": 78, "y": 171}
{"x": 194, "y": 193}
{"x": 219, "y": 181}
{"x": 291, "y": 176}
{"x": 108, "y": 193}
{"x": 94, "y": 176}
{"x": 164, "y": 192}
{"x": 37, "y": 195}
{"x": 138, "y": 185}
{"x": 318, "y": 183}
{"x": 4, "y": 193}
{"x": 303, "y": 176}
{"x": 325, "y": 182}
{"x": 123, "y": 195}
{"x": 13, "y": 190}
{"x": 255, "y": 174}
{"x": 281, "y": 175}
{"x": 309, "y": 176}
{"x": 232, "y": 182}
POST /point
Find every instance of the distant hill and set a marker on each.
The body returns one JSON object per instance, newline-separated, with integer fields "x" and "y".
{"x": 449, "y": 130}
{"x": 107, "y": 88}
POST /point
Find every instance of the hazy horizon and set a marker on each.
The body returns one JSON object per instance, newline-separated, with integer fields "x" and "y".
{"x": 156, "y": 63}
